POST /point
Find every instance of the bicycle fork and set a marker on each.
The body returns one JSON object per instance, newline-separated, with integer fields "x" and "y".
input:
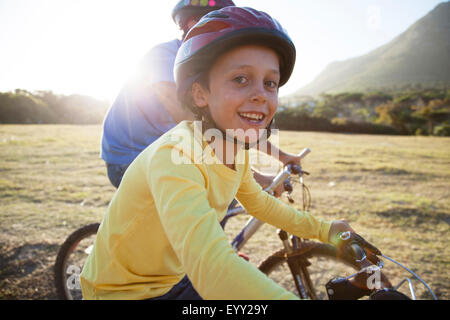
{"x": 297, "y": 267}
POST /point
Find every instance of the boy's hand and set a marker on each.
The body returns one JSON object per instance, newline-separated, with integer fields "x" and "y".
{"x": 337, "y": 227}
{"x": 334, "y": 237}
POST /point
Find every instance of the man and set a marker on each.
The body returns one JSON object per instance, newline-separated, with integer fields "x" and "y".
{"x": 147, "y": 105}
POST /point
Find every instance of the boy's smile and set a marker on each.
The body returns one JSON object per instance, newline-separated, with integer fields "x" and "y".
{"x": 243, "y": 90}
{"x": 253, "y": 118}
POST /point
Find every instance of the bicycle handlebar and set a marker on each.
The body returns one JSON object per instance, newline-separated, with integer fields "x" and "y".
{"x": 304, "y": 153}
{"x": 296, "y": 169}
{"x": 355, "y": 245}
{"x": 359, "y": 254}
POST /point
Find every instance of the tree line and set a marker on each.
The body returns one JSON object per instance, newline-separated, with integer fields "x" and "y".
{"x": 407, "y": 112}
{"x": 22, "y": 106}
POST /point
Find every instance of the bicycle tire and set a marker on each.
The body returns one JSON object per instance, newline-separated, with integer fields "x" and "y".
{"x": 61, "y": 265}
{"x": 311, "y": 250}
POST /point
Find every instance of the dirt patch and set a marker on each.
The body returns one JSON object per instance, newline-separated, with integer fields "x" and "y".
{"x": 416, "y": 216}
{"x": 26, "y": 270}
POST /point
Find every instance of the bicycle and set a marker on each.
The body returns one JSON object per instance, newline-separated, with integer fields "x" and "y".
{"x": 304, "y": 260}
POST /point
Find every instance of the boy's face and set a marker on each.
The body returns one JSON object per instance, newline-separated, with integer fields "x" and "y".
{"x": 243, "y": 90}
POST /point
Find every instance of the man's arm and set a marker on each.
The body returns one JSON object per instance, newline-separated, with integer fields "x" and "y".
{"x": 264, "y": 180}
{"x": 155, "y": 76}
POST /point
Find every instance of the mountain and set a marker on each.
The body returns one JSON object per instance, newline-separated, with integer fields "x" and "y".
{"x": 420, "y": 55}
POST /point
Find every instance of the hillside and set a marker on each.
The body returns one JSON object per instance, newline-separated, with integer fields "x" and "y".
{"x": 420, "y": 55}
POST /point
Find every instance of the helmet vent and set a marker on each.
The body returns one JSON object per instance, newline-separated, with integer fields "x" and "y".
{"x": 215, "y": 14}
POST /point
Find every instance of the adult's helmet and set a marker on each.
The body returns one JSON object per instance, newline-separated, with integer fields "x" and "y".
{"x": 220, "y": 31}
{"x": 186, "y": 9}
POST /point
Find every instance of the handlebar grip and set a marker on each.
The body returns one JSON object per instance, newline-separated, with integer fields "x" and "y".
{"x": 351, "y": 246}
{"x": 357, "y": 252}
{"x": 304, "y": 153}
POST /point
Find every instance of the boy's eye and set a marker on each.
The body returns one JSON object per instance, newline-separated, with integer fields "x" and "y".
{"x": 271, "y": 84}
{"x": 240, "y": 79}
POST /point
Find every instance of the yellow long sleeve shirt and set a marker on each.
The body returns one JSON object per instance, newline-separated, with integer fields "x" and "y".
{"x": 164, "y": 222}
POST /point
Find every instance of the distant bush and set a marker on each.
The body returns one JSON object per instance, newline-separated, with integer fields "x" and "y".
{"x": 409, "y": 110}
{"x": 289, "y": 120}
{"x": 22, "y": 106}
{"x": 347, "y": 126}
{"x": 442, "y": 130}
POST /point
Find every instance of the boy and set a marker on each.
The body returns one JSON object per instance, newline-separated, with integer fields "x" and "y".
{"x": 147, "y": 105}
{"x": 161, "y": 237}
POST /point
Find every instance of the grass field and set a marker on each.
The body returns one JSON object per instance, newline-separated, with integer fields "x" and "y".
{"x": 395, "y": 191}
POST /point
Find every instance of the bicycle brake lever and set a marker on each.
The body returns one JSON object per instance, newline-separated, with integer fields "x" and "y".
{"x": 288, "y": 188}
{"x": 352, "y": 247}
{"x": 357, "y": 252}
{"x": 290, "y": 198}
{"x": 298, "y": 170}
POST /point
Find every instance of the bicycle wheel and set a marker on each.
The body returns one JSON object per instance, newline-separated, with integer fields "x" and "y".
{"x": 70, "y": 261}
{"x": 321, "y": 263}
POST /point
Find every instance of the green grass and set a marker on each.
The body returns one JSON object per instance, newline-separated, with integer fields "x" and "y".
{"x": 395, "y": 191}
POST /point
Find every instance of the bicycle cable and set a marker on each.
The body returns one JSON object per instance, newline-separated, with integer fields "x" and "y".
{"x": 306, "y": 197}
{"x": 306, "y": 194}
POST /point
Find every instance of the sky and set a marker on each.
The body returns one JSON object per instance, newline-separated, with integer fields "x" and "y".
{"x": 92, "y": 46}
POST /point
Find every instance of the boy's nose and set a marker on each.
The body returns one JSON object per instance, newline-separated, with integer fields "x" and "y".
{"x": 259, "y": 94}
